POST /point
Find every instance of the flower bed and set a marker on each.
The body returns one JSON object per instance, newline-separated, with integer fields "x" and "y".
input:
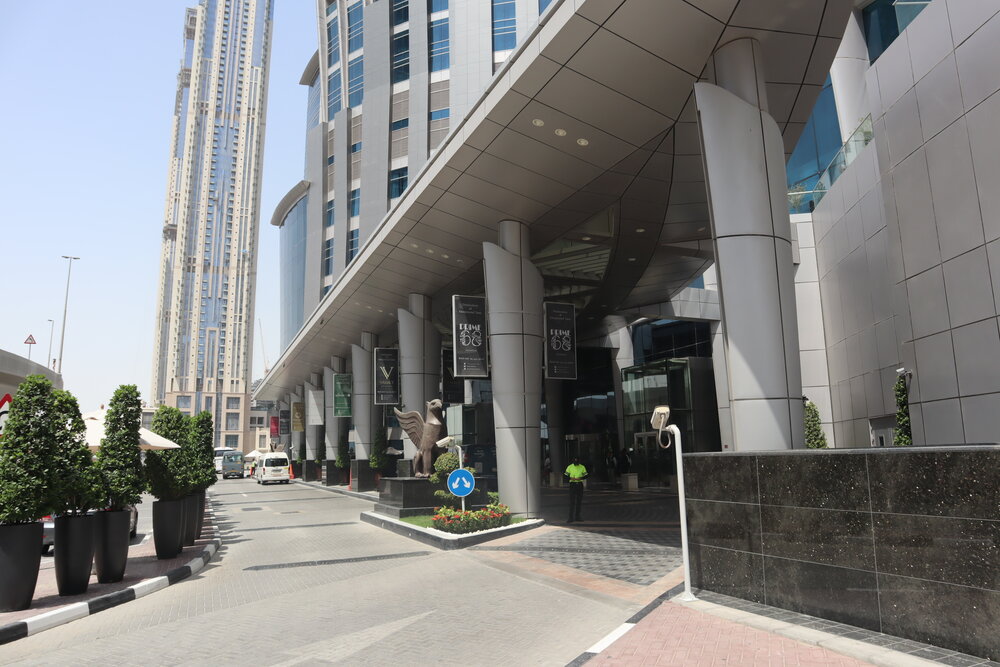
{"x": 456, "y": 521}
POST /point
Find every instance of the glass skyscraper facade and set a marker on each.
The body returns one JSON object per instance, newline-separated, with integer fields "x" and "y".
{"x": 203, "y": 353}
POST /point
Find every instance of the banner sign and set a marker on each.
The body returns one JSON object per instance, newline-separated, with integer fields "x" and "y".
{"x": 298, "y": 417}
{"x": 560, "y": 341}
{"x": 275, "y": 427}
{"x": 452, "y": 388}
{"x": 386, "y": 376}
{"x": 314, "y": 407}
{"x": 284, "y": 422}
{"x": 343, "y": 388}
{"x": 468, "y": 327}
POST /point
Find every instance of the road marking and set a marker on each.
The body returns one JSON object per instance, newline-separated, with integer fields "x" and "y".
{"x": 610, "y": 638}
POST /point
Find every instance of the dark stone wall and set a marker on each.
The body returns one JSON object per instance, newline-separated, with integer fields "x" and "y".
{"x": 901, "y": 541}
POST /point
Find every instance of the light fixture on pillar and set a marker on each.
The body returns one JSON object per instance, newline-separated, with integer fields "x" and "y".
{"x": 906, "y": 375}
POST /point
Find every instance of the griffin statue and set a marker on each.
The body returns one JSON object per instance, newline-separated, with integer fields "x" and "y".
{"x": 424, "y": 434}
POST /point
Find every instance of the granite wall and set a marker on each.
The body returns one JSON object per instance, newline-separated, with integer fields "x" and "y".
{"x": 900, "y": 541}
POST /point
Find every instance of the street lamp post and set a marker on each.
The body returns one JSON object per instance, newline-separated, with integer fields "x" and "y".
{"x": 49, "y": 359}
{"x": 62, "y": 338}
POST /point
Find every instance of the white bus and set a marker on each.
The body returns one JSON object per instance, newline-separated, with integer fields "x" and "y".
{"x": 218, "y": 457}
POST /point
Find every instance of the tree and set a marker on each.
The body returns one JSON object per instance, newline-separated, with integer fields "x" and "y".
{"x": 377, "y": 457}
{"x": 76, "y": 482}
{"x": 902, "y": 436}
{"x": 202, "y": 450}
{"x": 119, "y": 460}
{"x": 815, "y": 438}
{"x": 167, "y": 470}
{"x": 343, "y": 451}
{"x": 27, "y": 453}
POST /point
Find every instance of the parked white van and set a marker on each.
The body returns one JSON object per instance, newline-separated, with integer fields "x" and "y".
{"x": 272, "y": 467}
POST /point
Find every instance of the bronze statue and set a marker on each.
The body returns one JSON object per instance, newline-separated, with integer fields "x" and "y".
{"x": 424, "y": 434}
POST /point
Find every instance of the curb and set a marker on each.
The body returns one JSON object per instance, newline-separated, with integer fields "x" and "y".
{"x": 360, "y": 495}
{"x": 50, "y": 619}
{"x": 446, "y": 541}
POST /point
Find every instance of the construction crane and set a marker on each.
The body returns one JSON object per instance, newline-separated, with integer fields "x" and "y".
{"x": 263, "y": 347}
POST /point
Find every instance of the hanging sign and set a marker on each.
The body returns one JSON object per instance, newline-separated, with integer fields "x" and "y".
{"x": 284, "y": 422}
{"x": 342, "y": 390}
{"x": 468, "y": 327}
{"x": 298, "y": 417}
{"x": 386, "y": 376}
{"x": 275, "y": 427}
{"x": 452, "y": 388}
{"x": 560, "y": 341}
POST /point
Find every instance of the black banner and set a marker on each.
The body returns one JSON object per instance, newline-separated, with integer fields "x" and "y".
{"x": 284, "y": 422}
{"x": 452, "y": 388}
{"x": 560, "y": 341}
{"x": 468, "y": 328}
{"x": 386, "y": 376}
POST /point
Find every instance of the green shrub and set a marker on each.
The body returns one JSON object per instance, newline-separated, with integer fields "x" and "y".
{"x": 456, "y": 521}
{"x": 77, "y": 484}
{"x": 200, "y": 452}
{"x": 815, "y": 438}
{"x": 494, "y": 497}
{"x": 27, "y": 453}
{"x": 167, "y": 471}
{"x": 119, "y": 460}
{"x": 902, "y": 436}
{"x": 377, "y": 458}
{"x": 343, "y": 451}
{"x": 161, "y": 479}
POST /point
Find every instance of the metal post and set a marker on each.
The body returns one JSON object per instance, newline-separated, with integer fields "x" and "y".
{"x": 675, "y": 433}
{"x": 49, "y": 359}
{"x": 62, "y": 338}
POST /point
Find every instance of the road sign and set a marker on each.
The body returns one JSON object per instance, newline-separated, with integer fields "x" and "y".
{"x": 4, "y": 410}
{"x": 30, "y": 340}
{"x": 461, "y": 483}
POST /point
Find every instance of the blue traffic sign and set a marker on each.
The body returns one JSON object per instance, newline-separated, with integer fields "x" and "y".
{"x": 461, "y": 482}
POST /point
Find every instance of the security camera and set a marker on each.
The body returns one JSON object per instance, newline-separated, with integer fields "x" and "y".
{"x": 661, "y": 415}
{"x": 900, "y": 371}
{"x": 447, "y": 441}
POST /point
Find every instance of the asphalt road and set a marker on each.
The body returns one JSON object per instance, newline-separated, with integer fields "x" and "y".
{"x": 300, "y": 580}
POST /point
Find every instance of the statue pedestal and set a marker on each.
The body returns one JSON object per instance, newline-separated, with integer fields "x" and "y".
{"x": 412, "y": 496}
{"x": 404, "y": 467}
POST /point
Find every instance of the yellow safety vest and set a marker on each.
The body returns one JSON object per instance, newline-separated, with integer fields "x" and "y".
{"x": 576, "y": 472}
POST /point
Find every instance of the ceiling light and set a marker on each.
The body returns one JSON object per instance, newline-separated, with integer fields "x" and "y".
{"x": 538, "y": 122}
{"x": 444, "y": 256}
{"x": 583, "y": 142}
{"x": 701, "y": 229}
{"x": 560, "y": 132}
{"x": 640, "y": 230}
{"x": 430, "y": 251}
{"x": 414, "y": 245}
{"x": 631, "y": 259}
{"x": 585, "y": 238}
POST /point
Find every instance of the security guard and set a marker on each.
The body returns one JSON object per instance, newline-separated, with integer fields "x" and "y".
{"x": 576, "y": 472}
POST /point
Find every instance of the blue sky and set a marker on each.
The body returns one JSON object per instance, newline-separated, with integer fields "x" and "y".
{"x": 88, "y": 94}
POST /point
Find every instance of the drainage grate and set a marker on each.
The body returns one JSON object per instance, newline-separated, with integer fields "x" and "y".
{"x": 337, "y": 561}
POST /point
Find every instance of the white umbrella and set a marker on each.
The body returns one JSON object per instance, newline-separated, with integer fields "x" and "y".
{"x": 252, "y": 455}
{"x": 147, "y": 439}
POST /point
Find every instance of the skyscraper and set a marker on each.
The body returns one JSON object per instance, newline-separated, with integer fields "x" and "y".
{"x": 203, "y": 352}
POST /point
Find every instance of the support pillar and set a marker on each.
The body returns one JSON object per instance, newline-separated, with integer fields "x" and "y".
{"x": 557, "y": 427}
{"x": 363, "y": 397}
{"x": 314, "y": 415}
{"x": 298, "y": 437}
{"x": 624, "y": 358}
{"x": 847, "y": 75}
{"x": 419, "y": 360}
{"x": 284, "y": 441}
{"x": 514, "y": 291}
{"x": 744, "y": 161}
{"x": 335, "y": 426}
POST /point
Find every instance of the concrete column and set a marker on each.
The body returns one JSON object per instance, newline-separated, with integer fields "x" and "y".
{"x": 419, "y": 359}
{"x": 313, "y": 433}
{"x": 284, "y": 441}
{"x": 364, "y": 394}
{"x": 744, "y": 161}
{"x": 298, "y": 437}
{"x": 847, "y": 75}
{"x": 557, "y": 426}
{"x": 335, "y": 426}
{"x": 624, "y": 358}
{"x": 514, "y": 291}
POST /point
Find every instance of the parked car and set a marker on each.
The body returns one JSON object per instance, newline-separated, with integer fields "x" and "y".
{"x": 49, "y": 528}
{"x": 272, "y": 467}
{"x": 232, "y": 464}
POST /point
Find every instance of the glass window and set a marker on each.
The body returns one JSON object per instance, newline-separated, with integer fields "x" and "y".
{"x": 400, "y": 124}
{"x": 355, "y": 82}
{"x": 401, "y": 57}
{"x": 354, "y": 203}
{"x": 184, "y": 402}
{"x": 437, "y": 40}
{"x": 355, "y": 27}
{"x": 330, "y": 209}
{"x": 312, "y": 104}
{"x": 543, "y": 5}
{"x": 333, "y": 42}
{"x": 439, "y": 114}
{"x": 883, "y": 20}
{"x": 400, "y": 11}
{"x": 817, "y": 146}
{"x": 352, "y": 245}
{"x": 232, "y": 421}
{"x": 356, "y": 148}
{"x": 436, "y": 6}
{"x": 397, "y": 181}
{"x": 232, "y": 403}
{"x": 334, "y": 95}
{"x": 504, "y": 25}
{"x": 328, "y": 257}
{"x": 233, "y": 441}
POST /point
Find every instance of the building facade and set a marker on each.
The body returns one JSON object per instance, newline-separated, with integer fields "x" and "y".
{"x": 204, "y": 328}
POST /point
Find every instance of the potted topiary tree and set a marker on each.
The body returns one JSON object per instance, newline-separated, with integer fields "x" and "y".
{"x": 27, "y": 452}
{"x": 74, "y": 492}
{"x": 342, "y": 462}
{"x": 201, "y": 438}
{"x": 119, "y": 462}
{"x": 815, "y": 438}
{"x": 377, "y": 458}
{"x": 167, "y": 479}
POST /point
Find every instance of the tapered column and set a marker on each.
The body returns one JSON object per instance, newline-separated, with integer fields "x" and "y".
{"x": 314, "y": 415}
{"x": 419, "y": 359}
{"x": 514, "y": 295}
{"x": 557, "y": 426}
{"x": 298, "y": 437}
{"x": 335, "y": 426}
{"x": 284, "y": 441}
{"x": 363, "y": 397}
{"x": 745, "y": 173}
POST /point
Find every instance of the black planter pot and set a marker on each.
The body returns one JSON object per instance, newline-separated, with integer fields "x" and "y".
{"x": 296, "y": 470}
{"x": 168, "y": 522}
{"x": 74, "y": 553}
{"x": 111, "y": 545}
{"x": 190, "y": 519}
{"x": 20, "y": 555}
{"x": 311, "y": 473}
{"x": 200, "y": 495}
